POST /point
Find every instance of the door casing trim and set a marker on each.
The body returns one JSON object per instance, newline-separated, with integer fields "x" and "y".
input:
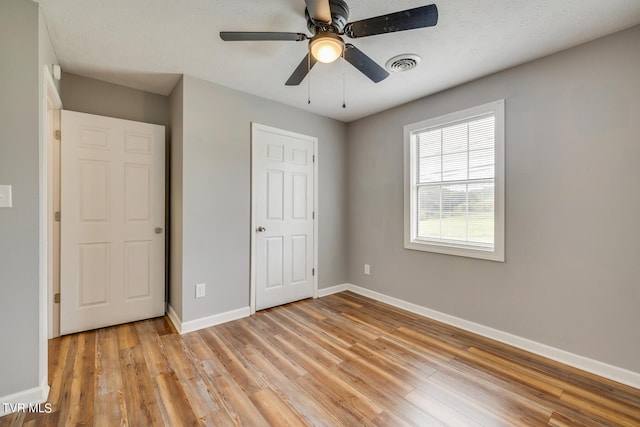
{"x": 50, "y": 100}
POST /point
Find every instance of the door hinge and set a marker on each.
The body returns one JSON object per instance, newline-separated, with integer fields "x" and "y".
{"x": 56, "y": 298}
{"x": 57, "y": 135}
{"x": 56, "y": 216}
{"x": 314, "y": 158}
{"x": 313, "y": 271}
{"x": 313, "y": 215}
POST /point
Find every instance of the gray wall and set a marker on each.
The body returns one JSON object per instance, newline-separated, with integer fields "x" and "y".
{"x": 216, "y": 193}
{"x": 19, "y": 263}
{"x": 92, "y": 96}
{"x": 46, "y": 51}
{"x": 175, "y": 210}
{"x": 571, "y": 277}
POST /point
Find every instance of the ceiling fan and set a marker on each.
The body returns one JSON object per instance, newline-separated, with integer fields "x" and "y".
{"x": 327, "y": 22}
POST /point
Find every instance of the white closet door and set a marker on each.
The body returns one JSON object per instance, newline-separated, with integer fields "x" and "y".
{"x": 283, "y": 186}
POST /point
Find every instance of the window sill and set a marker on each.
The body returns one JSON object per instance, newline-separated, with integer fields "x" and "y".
{"x": 457, "y": 250}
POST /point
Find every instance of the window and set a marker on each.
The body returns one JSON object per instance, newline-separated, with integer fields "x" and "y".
{"x": 454, "y": 183}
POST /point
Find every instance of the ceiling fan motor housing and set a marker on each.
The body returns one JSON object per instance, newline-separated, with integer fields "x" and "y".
{"x": 339, "y": 18}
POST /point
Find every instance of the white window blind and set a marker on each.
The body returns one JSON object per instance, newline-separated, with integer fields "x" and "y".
{"x": 455, "y": 167}
{"x": 455, "y": 183}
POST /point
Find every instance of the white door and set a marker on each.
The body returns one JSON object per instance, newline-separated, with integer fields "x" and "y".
{"x": 112, "y": 225}
{"x": 283, "y": 216}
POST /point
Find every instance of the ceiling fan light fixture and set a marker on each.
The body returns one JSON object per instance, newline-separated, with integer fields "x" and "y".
{"x": 326, "y": 47}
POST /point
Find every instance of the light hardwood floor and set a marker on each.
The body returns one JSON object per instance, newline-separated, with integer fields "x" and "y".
{"x": 340, "y": 360}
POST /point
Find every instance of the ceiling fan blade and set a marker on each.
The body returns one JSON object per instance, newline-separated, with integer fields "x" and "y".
{"x": 362, "y": 62}
{"x": 319, "y": 11}
{"x": 236, "y": 36}
{"x": 301, "y": 71}
{"x": 420, "y": 17}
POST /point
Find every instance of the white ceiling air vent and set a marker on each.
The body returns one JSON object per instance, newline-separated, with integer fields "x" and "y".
{"x": 404, "y": 62}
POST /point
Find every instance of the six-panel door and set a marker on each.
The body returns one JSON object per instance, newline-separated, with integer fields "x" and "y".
{"x": 113, "y": 219}
{"x": 283, "y": 186}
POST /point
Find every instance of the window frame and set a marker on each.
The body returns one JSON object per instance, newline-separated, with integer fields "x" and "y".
{"x": 410, "y": 189}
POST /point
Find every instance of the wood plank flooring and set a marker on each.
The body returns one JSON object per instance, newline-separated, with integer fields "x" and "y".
{"x": 340, "y": 360}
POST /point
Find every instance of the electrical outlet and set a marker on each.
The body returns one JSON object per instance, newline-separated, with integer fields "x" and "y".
{"x": 5, "y": 196}
{"x": 367, "y": 269}
{"x": 200, "y": 290}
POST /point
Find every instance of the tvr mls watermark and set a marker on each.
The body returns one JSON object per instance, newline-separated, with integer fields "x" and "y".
{"x": 37, "y": 408}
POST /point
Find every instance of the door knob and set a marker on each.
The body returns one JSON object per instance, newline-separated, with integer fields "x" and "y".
{"x": 261, "y": 229}
{"x": 158, "y": 230}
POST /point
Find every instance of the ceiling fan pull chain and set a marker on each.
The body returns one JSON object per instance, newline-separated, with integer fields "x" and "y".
{"x": 309, "y": 79}
{"x": 344, "y": 83}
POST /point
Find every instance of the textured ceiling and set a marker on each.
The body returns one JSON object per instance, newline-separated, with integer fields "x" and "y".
{"x": 147, "y": 44}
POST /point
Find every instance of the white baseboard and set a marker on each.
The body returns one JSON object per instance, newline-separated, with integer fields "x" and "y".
{"x": 332, "y": 290}
{"x": 205, "y": 322}
{"x": 32, "y": 396}
{"x": 175, "y": 319}
{"x": 602, "y": 369}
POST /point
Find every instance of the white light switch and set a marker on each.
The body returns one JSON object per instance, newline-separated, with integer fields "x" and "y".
{"x": 5, "y": 196}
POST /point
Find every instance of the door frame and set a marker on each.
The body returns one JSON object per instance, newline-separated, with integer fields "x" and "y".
{"x": 50, "y": 101}
{"x": 52, "y": 124}
{"x": 256, "y": 127}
